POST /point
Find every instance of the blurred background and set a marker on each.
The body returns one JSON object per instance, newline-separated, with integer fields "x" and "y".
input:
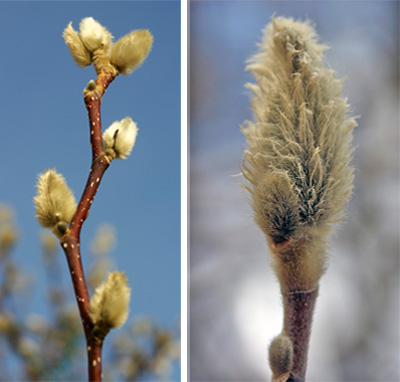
{"x": 235, "y": 305}
{"x": 135, "y": 218}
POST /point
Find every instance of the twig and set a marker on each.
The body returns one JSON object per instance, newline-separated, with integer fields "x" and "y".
{"x": 298, "y": 312}
{"x": 55, "y": 203}
{"x": 70, "y": 242}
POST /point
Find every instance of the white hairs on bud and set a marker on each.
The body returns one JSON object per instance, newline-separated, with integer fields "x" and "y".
{"x": 131, "y": 50}
{"x": 76, "y": 47}
{"x": 298, "y": 162}
{"x": 109, "y": 306}
{"x": 55, "y": 203}
{"x": 94, "y": 35}
{"x": 119, "y": 138}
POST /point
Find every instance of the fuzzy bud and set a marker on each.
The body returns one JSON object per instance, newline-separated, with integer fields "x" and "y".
{"x": 131, "y": 50}
{"x": 119, "y": 138}
{"x": 55, "y": 203}
{"x": 109, "y": 306}
{"x": 281, "y": 357}
{"x": 76, "y": 47}
{"x": 298, "y": 162}
{"x": 94, "y": 35}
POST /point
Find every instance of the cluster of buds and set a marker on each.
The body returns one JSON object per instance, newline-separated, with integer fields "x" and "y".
{"x": 93, "y": 44}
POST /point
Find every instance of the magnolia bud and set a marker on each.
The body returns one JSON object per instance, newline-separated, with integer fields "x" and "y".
{"x": 76, "y": 47}
{"x": 119, "y": 138}
{"x": 299, "y": 157}
{"x": 131, "y": 50}
{"x": 109, "y": 306}
{"x": 94, "y": 35}
{"x": 281, "y": 356}
{"x": 55, "y": 203}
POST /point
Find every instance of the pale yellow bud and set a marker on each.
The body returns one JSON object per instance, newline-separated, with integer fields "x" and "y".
{"x": 299, "y": 158}
{"x": 131, "y": 50}
{"x": 76, "y": 47}
{"x": 109, "y": 306}
{"x": 55, "y": 203}
{"x": 119, "y": 138}
{"x": 94, "y": 35}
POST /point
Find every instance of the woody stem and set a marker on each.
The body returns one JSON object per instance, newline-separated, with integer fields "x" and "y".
{"x": 70, "y": 242}
{"x": 298, "y": 312}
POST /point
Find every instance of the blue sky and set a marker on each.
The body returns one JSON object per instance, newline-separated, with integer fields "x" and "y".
{"x": 44, "y": 124}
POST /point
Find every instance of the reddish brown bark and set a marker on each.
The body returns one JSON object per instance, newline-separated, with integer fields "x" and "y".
{"x": 70, "y": 242}
{"x": 94, "y": 359}
{"x": 298, "y": 312}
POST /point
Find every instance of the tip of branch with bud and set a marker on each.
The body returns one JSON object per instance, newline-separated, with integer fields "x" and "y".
{"x": 119, "y": 139}
{"x": 299, "y": 157}
{"x": 55, "y": 203}
{"x": 109, "y": 306}
{"x": 93, "y": 44}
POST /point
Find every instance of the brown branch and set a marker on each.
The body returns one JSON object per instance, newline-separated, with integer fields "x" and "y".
{"x": 70, "y": 242}
{"x": 94, "y": 347}
{"x": 70, "y": 245}
{"x": 298, "y": 312}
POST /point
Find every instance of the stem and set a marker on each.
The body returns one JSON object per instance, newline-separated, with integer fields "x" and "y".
{"x": 70, "y": 242}
{"x": 298, "y": 312}
{"x": 97, "y": 170}
{"x": 70, "y": 245}
{"x": 94, "y": 359}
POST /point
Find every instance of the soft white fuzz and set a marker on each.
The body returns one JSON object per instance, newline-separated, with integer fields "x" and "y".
{"x": 131, "y": 50}
{"x": 298, "y": 162}
{"x": 76, "y": 47}
{"x": 109, "y": 306}
{"x": 55, "y": 203}
{"x": 93, "y": 43}
{"x": 119, "y": 138}
{"x": 94, "y": 35}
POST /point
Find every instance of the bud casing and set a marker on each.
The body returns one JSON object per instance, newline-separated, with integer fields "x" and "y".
{"x": 298, "y": 162}
{"x": 76, "y": 47}
{"x": 131, "y": 50}
{"x": 109, "y": 306}
{"x": 94, "y": 35}
{"x": 55, "y": 203}
{"x": 119, "y": 138}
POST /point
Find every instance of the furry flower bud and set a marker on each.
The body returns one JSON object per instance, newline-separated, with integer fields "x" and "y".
{"x": 76, "y": 47}
{"x": 119, "y": 138}
{"x": 109, "y": 306}
{"x": 131, "y": 50}
{"x": 298, "y": 162}
{"x": 94, "y": 35}
{"x": 55, "y": 203}
{"x": 281, "y": 357}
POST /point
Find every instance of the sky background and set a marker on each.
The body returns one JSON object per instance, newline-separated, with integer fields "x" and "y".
{"x": 44, "y": 124}
{"x": 235, "y": 307}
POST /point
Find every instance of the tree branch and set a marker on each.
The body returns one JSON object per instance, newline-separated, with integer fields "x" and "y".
{"x": 298, "y": 312}
{"x": 70, "y": 242}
